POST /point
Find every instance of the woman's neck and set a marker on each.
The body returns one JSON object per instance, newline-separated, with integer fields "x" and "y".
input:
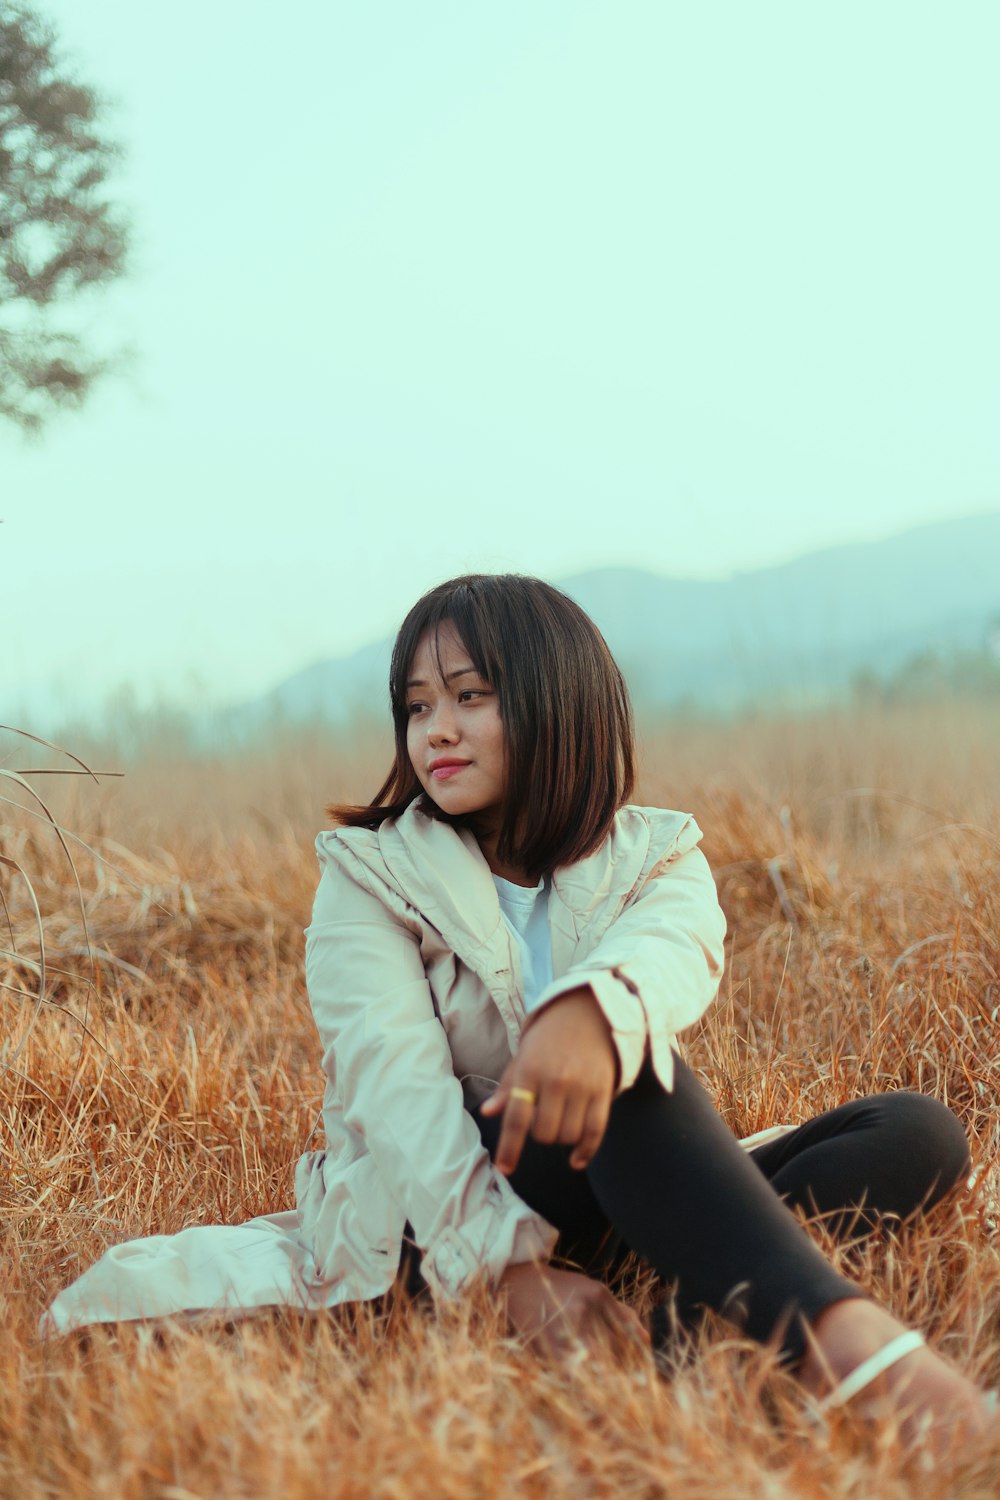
{"x": 517, "y": 876}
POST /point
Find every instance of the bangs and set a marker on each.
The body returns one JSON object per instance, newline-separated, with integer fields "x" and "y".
{"x": 426, "y": 617}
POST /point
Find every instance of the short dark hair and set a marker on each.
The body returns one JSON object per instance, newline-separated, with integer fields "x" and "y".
{"x": 564, "y": 705}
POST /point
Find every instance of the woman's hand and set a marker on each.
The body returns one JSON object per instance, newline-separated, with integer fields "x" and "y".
{"x": 554, "y": 1310}
{"x": 568, "y": 1064}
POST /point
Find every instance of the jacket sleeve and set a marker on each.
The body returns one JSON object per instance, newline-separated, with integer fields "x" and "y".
{"x": 386, "y": 1054}
{"x": 657, "y": 968}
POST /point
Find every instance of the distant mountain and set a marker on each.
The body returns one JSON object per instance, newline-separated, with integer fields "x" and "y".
{"x": 795, "y": 633}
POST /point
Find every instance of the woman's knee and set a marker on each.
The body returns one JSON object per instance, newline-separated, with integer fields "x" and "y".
{"x": 926, "y": 1130}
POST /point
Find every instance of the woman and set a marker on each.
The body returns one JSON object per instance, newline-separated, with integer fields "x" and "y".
{"x": 501, "y": 953}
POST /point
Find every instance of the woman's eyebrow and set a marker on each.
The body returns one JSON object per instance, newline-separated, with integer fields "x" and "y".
{"x": 419, "y": 682}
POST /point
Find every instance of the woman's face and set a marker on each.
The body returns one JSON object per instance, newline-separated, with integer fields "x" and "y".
{"x": 454, "y": 717}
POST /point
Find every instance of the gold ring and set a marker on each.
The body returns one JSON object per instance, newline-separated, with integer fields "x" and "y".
{"x": 525, "y": 1094}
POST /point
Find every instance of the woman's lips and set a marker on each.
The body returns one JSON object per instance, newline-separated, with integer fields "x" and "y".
{"x": 443, "y": 772}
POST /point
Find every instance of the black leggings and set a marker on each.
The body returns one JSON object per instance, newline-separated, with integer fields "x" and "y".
{"x": 670, "y": 1182}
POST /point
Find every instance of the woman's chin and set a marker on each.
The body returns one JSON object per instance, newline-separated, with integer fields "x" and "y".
{"x": 457, "y": 805}
{"x": 447, "y": 803}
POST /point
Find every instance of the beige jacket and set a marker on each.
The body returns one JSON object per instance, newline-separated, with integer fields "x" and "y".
{"x": 415, "y": 986}
{"x": 416, "y": 990}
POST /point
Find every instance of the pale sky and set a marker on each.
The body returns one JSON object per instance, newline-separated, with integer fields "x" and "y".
{"x": 427, "y": 289}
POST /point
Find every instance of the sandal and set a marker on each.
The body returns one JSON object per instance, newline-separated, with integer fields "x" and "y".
{"x": 870, "y": 1369}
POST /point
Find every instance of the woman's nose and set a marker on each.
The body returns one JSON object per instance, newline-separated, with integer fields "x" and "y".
{"x": 441, "y": 726}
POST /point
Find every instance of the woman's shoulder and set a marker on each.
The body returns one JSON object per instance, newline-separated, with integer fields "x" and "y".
{"x": 387, "y": 859}
{"x": 666, "y": 832}
{"x": 346, "y": 846}
{"x": 639, "y": 840}
{"x": 353, "y": 870}
{"x": 330, "y": 843}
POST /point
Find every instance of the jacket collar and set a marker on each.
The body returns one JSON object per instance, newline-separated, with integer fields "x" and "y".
{"x": 441, "y": 870}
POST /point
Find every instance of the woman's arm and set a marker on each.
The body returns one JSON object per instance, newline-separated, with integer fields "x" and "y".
{"x": 657, "y": 968}
{"x": 655, "y": 971}
{"x": 386, "y": 1055}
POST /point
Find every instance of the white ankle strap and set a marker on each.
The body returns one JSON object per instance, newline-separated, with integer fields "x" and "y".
{"x": 870, "y": 1369}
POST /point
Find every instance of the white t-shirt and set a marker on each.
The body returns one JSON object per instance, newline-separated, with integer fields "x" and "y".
{"x": 526, "y": 913}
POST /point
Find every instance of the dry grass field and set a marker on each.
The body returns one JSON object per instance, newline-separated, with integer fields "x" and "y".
{"x": 175, "y": 1080}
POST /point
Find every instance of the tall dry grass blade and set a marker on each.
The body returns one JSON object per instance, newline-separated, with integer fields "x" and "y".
{"x": 63, "y": 771}
{"x": 67, "y": 833}
{"x": 19, "y": 780}
{"x": 59, "y": 749}
{"x": 12, "y": 864}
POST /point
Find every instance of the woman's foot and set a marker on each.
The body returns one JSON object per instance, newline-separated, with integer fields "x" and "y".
{"x": 927, "y": 1395}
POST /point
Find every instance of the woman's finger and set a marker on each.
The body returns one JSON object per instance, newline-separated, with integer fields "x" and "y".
{"x": 573, "y": 1120}
{"x": 547, "y": 1120}
{"x": 496, "y": 1101}
{"x": 517, "y": 1117}
{"x": 593, "y": 1131}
